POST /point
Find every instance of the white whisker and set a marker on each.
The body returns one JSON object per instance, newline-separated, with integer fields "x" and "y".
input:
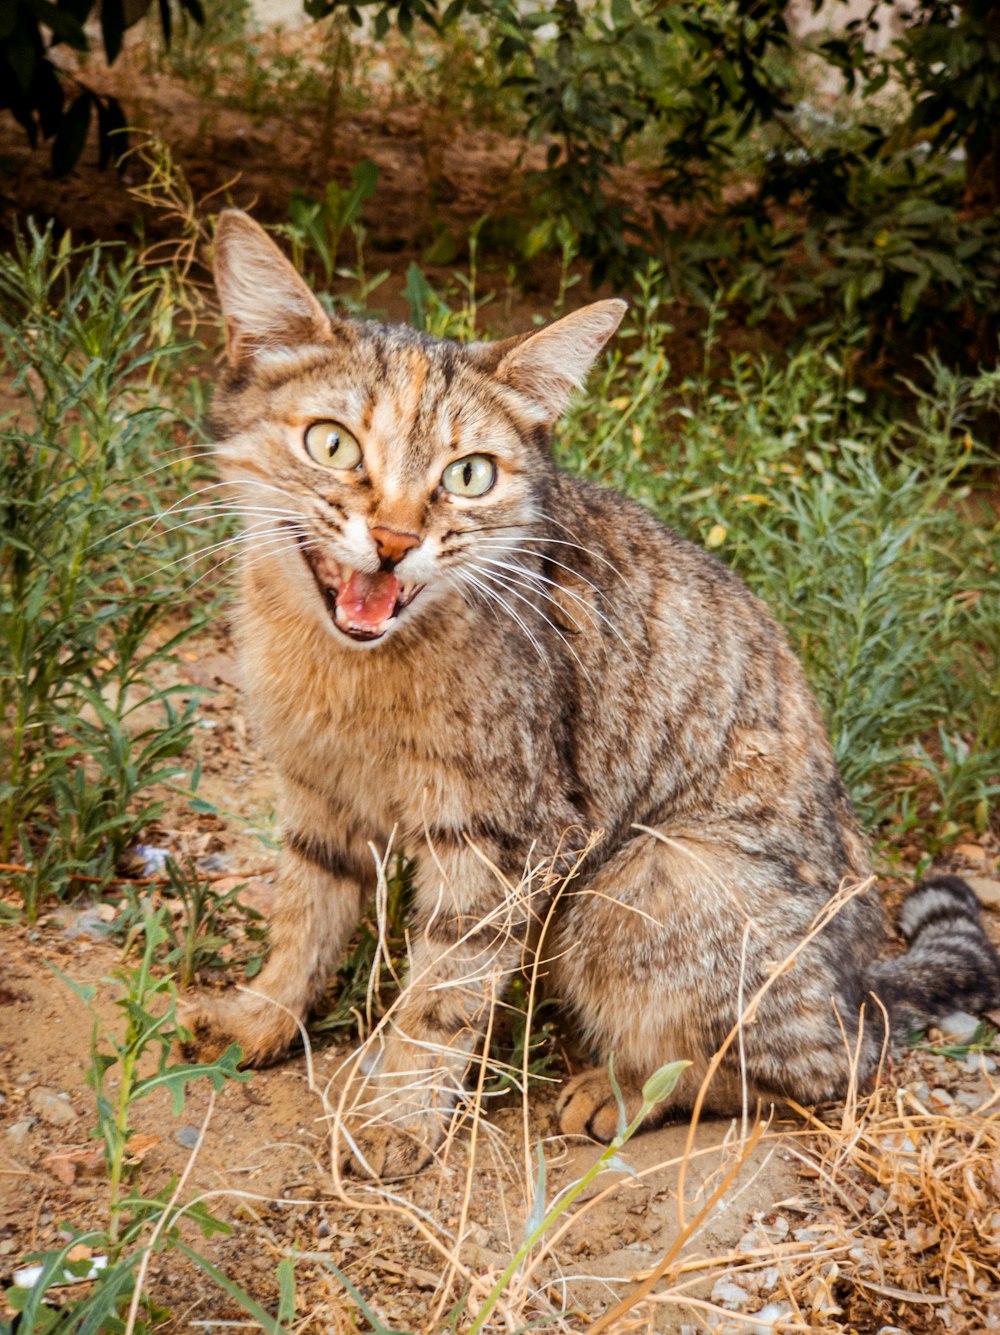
{"x": 505, "y": 584}
{"x": 484, "y": 589}
{"x": 536, "y": 556}
{"x": 276, "y": 550}
{"x": 264, "y": 531}
{"x": 582, "y": 602}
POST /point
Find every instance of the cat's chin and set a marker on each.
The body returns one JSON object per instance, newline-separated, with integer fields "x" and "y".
{"x": 362, "y": 606}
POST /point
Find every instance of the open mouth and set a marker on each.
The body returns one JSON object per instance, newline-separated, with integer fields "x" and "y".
{"x": 361, "y": 604}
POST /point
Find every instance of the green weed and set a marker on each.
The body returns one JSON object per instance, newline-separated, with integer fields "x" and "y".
{"x": 194, "y": 943}
{"x": 84, "y": 608}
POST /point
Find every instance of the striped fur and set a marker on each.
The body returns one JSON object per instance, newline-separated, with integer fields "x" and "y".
{"x": 566, "y": 665}
{"x": 951, "y": 964}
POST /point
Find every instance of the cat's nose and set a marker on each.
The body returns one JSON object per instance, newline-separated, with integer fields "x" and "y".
{"x": 392, "y": 546}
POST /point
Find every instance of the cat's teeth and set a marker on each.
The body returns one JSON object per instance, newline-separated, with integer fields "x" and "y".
{"x": 408, "y": 590}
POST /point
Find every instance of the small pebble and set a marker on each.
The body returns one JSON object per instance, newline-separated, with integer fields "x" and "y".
{"x": 968, "y": 1099}
{"x": 987, "y": 890}
{"x": 17, "y": 1132}
{"x": 978, "y": 1061}
{"x": 877, "y": 1200}
{"x": 960, "y": 1026}
{"x": 768, "y": 1316}
{"x": 728, "y": 1294}
{"x": 214, "y": 861}
{"x": 187, "y": 1136}
{"x": 50, "y": 1107}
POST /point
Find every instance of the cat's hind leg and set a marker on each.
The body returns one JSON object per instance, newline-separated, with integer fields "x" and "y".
{"x": 663, "y": 948}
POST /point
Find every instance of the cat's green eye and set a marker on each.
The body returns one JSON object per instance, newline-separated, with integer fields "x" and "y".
{"x": 471, "y": 476}
{"x": 332, "y": 445}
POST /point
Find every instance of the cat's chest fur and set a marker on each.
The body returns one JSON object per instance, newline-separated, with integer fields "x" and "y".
{"x": 443, "y": 725}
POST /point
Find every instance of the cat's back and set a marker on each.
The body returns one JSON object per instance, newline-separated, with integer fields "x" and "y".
{"x": 703, "y": 710}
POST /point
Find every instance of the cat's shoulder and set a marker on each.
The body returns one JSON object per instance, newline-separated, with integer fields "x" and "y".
{"x": 622, "y": 521}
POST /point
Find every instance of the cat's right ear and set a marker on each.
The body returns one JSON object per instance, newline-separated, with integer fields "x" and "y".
{"x": 267, "y": 305}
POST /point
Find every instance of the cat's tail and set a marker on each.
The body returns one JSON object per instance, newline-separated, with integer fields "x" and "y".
{"x": 951, "y": 964}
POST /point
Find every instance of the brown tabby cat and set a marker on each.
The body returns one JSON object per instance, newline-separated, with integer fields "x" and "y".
{"x": 445, "y": 636}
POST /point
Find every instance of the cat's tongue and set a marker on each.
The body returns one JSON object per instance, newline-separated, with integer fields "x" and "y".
{"x": 365, "y": 602}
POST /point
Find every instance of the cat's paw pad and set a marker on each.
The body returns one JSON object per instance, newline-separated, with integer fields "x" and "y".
{"x": 385, "y": 1153}
{"x": 587, "y": 1106}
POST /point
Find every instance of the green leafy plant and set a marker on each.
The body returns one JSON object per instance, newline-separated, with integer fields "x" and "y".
{"x": 193, "y": 943}
{"x": 79, "y": 606}
{"x": 317, "y": 225}
{"x": 145, "y": 1033}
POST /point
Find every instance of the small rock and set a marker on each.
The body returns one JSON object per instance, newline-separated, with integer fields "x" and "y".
{"x": 979, "y": 1062}
{"x": 968, "y": 1099}
{"x": 898, "y": 1143}
{"x": 214, "y": 862}
{"x": 17, "y": 1133}
{"x": 922, "y": 1237}
{"x": 960, "y": 1026}
{"x": 154, "y": 860}
{"x": 763, "y": 1281}
{"x": 50, "y": 1107}
{"x": 986, "y": 890}
{"x": 877, "y": 1200}
{"x": 767, "y": 1318}
{"x": 730, "y": 1295}
{"x": 940, "y": 1100}
{"x": 187, "y": 1136}
{"x": 6, "y": 1247}
{"x": 753, "y": 1240}
{"x": 90, "y": 923}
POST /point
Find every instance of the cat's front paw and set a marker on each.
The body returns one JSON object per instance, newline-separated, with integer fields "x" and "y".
{"x": 387, "y": 1153}
{"x": 263, "y": 1032}
{"x": 587, "y": 1106}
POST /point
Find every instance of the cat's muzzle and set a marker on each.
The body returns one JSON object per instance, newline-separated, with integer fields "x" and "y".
{"x": 361, "y": 604}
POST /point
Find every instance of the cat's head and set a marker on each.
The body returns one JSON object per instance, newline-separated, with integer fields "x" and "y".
{"x": 380, "y": 470}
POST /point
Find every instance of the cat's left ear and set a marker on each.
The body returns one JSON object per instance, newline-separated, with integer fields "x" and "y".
{"x": 267, "y": 304}
{"x": 547, "y": 366}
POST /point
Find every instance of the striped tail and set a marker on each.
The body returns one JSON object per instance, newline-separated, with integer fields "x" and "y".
{"x": 951, "y": 964}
